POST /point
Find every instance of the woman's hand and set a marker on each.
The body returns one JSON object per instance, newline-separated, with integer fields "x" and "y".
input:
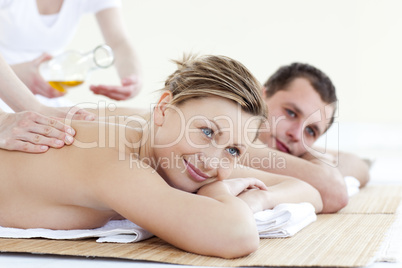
{"x": 130, "y": 87}
{"x": 28, "y": 72}
{"x": 251, "y": 190}
{"x": 255, "y": 199}
{"x": 32, "y": 132}
{"x": 232, "y": 187}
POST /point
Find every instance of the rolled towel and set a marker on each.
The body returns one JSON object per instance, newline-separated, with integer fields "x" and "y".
{"x": 352, "y": 185}
{"x": 119, "y": 231}
{"x": 284, "y": 220}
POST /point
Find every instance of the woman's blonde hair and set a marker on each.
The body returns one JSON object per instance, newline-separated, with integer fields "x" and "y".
{"x": 203, "y": 76}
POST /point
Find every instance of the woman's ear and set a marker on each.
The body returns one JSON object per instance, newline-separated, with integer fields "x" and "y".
{"x": 160, "y": 108}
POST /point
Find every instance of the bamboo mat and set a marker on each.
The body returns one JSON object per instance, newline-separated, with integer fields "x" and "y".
{"x": 350, "y": 238}
{"x": 375, "y": 199}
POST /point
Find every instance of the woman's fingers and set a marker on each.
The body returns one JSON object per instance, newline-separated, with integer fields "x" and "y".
{"x": 238, "y": 185}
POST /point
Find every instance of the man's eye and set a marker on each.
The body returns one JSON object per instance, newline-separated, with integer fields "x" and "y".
{"x": 290, "y": 113}
{"x": 310, "y": 131}
{"x": 233, "y": 151}
{"x": 208, "y": 132}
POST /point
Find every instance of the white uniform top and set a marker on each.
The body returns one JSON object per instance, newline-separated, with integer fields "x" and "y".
{"x": 25, "y": 34}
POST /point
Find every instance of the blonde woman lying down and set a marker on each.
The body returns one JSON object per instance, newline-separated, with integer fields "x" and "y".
{"x": 166, "y": 174}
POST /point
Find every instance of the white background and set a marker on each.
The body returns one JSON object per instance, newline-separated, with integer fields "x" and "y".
{"x": 356, "y": 42}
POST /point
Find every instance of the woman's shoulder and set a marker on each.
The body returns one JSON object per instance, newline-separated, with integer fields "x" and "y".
{"x": 123, "y": 135}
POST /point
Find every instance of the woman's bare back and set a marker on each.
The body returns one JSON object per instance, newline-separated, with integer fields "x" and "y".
{"x": 56, "y": 189}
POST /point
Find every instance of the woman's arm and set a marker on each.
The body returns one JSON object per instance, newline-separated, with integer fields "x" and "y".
{"x": 213, "y": 222}
{"x": 325, "y": 178}
{"x": 126, "y": 61}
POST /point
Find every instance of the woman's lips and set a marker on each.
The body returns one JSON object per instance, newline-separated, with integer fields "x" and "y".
{"x": 195, "y": 173}
{"x": 282, "y": 147}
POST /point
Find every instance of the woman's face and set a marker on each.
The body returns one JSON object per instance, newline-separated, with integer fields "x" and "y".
{"x": 201, "y": 140}
{"x": 297, "y": 117}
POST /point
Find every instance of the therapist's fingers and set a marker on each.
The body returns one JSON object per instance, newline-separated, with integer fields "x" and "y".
{"x": 27, "y": 147}
{"x": 43, "y": 88}
{"x": 113, "y": 92}
{"x": 48, "y": 136}
{"x": 129, "y": 88}
{"x": 41, "y": 130}
{"x": 37, "y": 139}
{"x": 40, "y": 135}
{"x": 67, "y": 113}
{"x": 39, "y": 85}
{"x": 21, "y": 131}
{"x": 83, "y": 114}
{"x": 49, "y": 125}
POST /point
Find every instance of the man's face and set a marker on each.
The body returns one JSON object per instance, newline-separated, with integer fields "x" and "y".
{"x": 297, "y": 117}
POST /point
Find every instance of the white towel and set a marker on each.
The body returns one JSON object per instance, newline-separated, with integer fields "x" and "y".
{"x": 118, "y": 231}
{"x": 352, "y": 185}
{"x": 284, "y": 220}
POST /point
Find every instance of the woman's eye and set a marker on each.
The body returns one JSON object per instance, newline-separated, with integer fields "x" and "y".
{"x": 233, "y": 151}
{"x": 290, "y": 113}
{"x": 208, "y": 132}
{"x": 310, "y": 131}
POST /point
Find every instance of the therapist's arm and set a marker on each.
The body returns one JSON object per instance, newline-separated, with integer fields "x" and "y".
{"x": 31, "y": 127}
{"x": 14, "y": 92}
{"x": 127, "y": 64}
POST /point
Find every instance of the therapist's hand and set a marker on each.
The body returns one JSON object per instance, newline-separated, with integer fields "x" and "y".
{"x": 68, "y": 113}
{"x": 28, "y": 72}
{"x": 130, "y": 87}
{"x": 32, "y": 132}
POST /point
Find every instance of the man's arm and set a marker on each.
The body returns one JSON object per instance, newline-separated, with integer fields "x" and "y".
{"x": 352, "y": 165}
{"x": 326, "y": 178}
{"x": 280, "y": 189}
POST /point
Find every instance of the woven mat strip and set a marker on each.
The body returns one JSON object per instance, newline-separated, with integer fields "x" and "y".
{"x": 344, "y": 240}
{"x": 375, "y": 199}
